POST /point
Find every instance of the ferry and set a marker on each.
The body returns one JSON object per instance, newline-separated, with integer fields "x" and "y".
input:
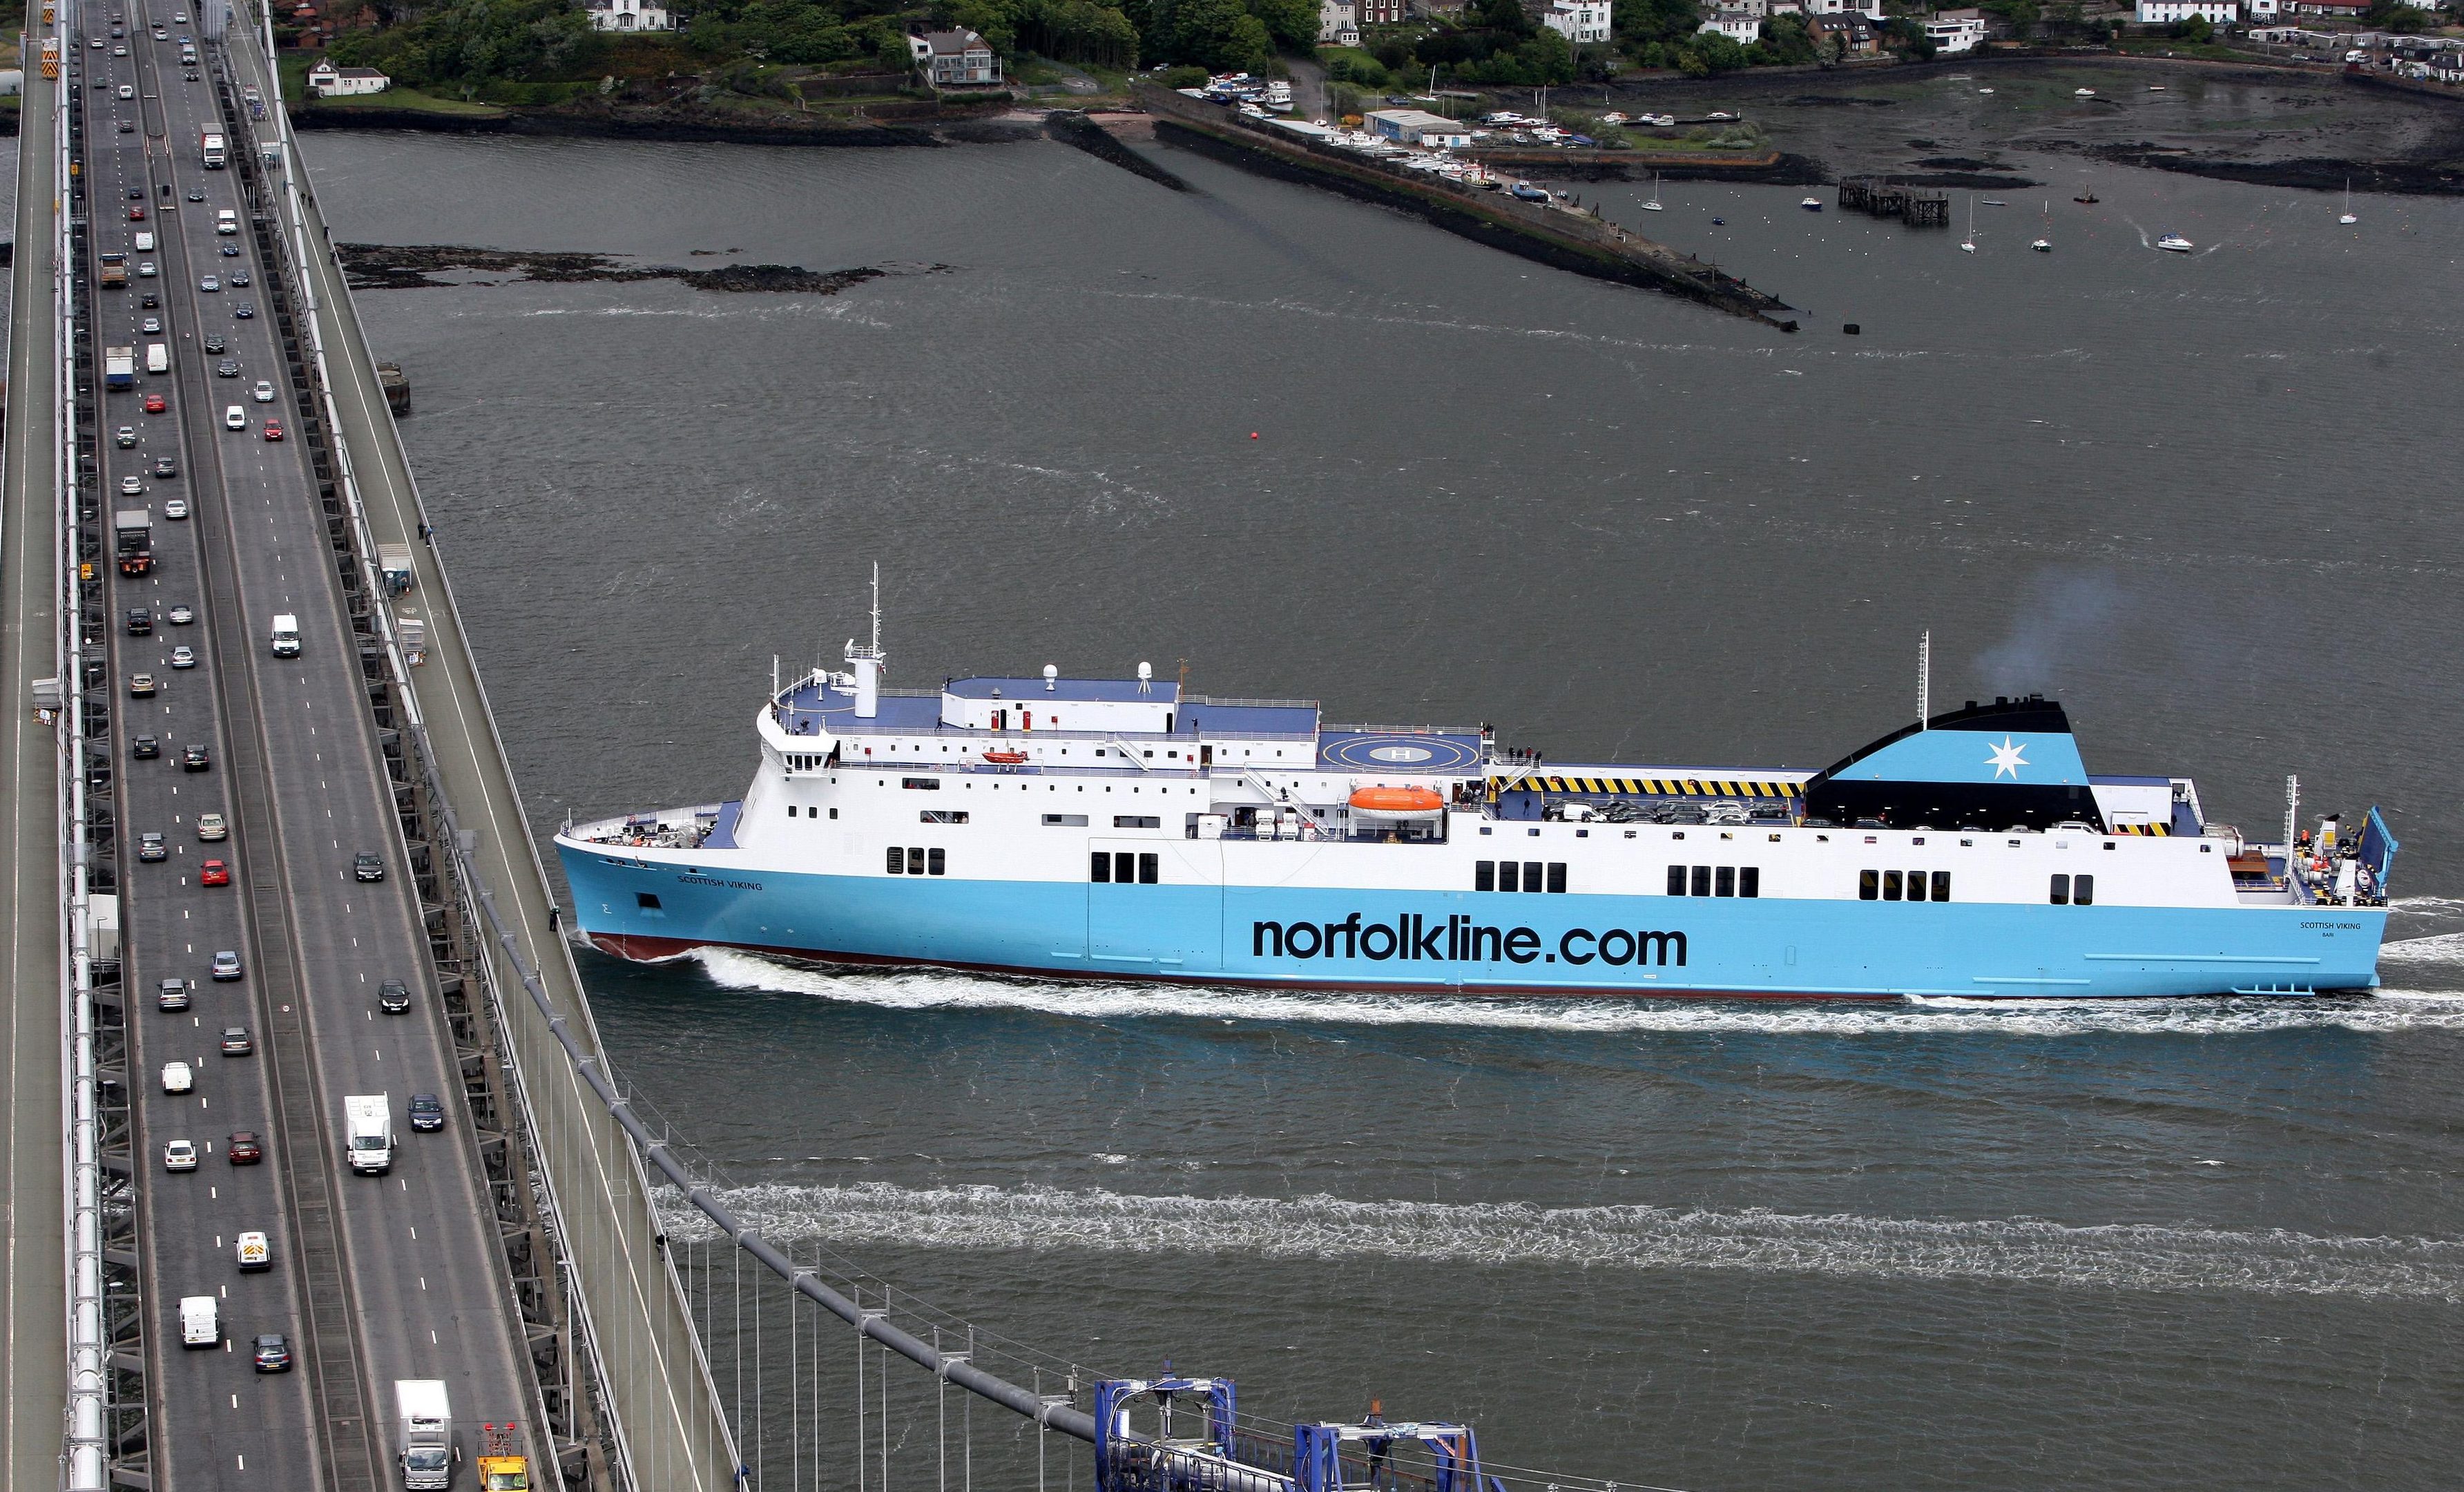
{"x": 1127, "y": 828}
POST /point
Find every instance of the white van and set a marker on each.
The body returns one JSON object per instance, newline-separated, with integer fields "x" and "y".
{"x": 226, "y": 221}
{"x": 158, "y": 358}
{"x": 144, "y": 242}
{"x": 286, "y": 636}
{"x": 199, "y": 1325}
{"x": 256, "y": 1251}
{"x": 234, "y": 418}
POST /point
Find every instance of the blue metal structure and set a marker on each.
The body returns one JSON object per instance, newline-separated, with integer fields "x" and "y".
{"x": 1216, "y": 1457}
{"x": 1320, "y": 1463}
{"x": 1126, "y": 1462}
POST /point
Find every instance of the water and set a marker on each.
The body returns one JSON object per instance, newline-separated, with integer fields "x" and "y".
{"x": 2203, "y": 501}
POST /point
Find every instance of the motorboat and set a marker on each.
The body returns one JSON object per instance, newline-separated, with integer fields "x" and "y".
{"x": 2175, "y": 243}
{"x": 2082, "y": 93}
{"x": 2042, "y": 246}
{"x": 2085, "y": 196}
{"x": 1811, "y": 204}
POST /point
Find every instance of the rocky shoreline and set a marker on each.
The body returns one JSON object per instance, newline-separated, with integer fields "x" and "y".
{"x": 671, "y": 125}
{"x": 377, "y": 266}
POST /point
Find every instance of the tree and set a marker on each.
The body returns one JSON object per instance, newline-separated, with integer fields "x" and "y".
{"x": 1638, "y": 23}
{"x": 1291, "y": 24}
{"x": 2193, "y": 29}
{"x": 1718, "y": 54}
{"x": 1220, "y": 35}
{"x": 1500, "y": 16}
{"x": 1787, "y": 42}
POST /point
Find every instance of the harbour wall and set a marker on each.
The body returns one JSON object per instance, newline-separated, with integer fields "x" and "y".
{"x": 1580, "y": 242}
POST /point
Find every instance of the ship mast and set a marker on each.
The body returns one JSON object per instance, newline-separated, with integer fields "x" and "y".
{"x": 867, "y": 660}
{"x": 1925, "y": 677}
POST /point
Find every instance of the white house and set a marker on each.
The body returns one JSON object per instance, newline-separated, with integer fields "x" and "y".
{"x": 630, "y": 15}
{"x": 2165, "y": 12}
{"x": 1955, "y": 30}
{"x": 1741, "y": 26}
{"x": 1870, "y": 9}
{"x": 956, "y": 59}
{"x": 1338, "y": 23}
{"x": 1579, "y": 21}
{"x": 2262, "y": 10}
{"x": 327, "y": 81}
{"x": 1418, "y": 127}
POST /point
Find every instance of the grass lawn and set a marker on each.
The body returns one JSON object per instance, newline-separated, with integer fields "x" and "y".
{"x": 413, "y": 100}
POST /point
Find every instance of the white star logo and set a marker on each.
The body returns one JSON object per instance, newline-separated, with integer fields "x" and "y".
{"x": 2006, "y": 758}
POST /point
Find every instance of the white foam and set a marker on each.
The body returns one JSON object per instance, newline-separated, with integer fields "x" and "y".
{"x": 1125, "y": 1000}
{"x": 2135, "y": 1257}
{"x": 2437, "y": 947}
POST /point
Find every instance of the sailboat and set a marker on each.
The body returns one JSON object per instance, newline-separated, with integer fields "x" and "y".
{"x": 2045, "y": 245}
{"x": 1653, "y": 206}
{"x": 1967, "y": 245}
{"x": 2348, "y": 219}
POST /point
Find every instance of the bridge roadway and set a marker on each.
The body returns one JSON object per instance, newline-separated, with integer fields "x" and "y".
{"x": 33, "y": 1312}
{"x": 376, "y": 1279}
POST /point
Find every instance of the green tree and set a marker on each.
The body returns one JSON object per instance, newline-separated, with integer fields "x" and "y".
{"x": 2022, "y": 15}
{"x": 1217, "y": 34}
{"x": 1500, "y": 16}
{"x": 1291, "y": 24}
{"x": 1787, "y": 42}
{"x": 2193, "y": 29}
{"x": 1718, "y": 54}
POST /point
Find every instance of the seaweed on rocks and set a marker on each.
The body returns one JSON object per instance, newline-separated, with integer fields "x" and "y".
{"x": 373, "y": 266}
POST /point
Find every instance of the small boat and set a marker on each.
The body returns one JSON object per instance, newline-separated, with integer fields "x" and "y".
{"x": 2348, "y": 219}
{"x": 1399, "y": 805}
{"x": 1005, "y": 758}
{"x": 2082, "y": 93}
{"x": 2175, "y": 243}
{"x": 2042, "y": 246}
{"x": 2155, "y": 87}
{"x": 1653, "y": 206}
{"x": 2085, "y": 196}
{"x": 1967, "y": 245}
{"x": 1718, "y": 222}
{"x": 1984, "y": 90}
{"x": 1995, "y": 202}
{"x": 1811, "y": 204}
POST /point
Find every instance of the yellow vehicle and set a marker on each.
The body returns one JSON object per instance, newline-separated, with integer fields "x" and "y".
{"x": 502, "y": 1467}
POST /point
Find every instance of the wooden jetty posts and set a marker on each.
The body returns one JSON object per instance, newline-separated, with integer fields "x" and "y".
{"x": 1911, "y": 205}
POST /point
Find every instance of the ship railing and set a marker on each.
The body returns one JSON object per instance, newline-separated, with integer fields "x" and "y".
{"x": 1225, "y": 701}
{"x": 1332, "y": 728}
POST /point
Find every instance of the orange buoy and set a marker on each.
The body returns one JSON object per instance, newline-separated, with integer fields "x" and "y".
{"x": 1397, "y": 803}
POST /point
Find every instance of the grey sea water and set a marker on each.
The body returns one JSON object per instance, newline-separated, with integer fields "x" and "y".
{"x": 1310, "y": 448}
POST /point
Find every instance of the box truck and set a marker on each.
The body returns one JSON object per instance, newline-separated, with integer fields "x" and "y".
{"x": 367, "y": 1131}
{"x": 425, "y": 1433}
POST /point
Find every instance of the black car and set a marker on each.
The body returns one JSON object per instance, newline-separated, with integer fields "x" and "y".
{"x": 196, "y": 758}
{"x": 146, "y": 748}
{"x": 149, "y": 301}
{"x": 243, "y": 311}
{"x": 215, "y": 345}
{"x": 227, "y": 368}
{"x": 164, "y": 466}
{"x": 239, "y": 276}
{"x": 141, "y": 621}
{"x": 231, "y": 250}
{"x": 273, "y": 1354}
{"x": 426, "y": 1112}
{"x": 393, "y": 997}
{"x": 367, "y": 867}
{"x": 136, "y": 193}
{"x": 196, "y": 196}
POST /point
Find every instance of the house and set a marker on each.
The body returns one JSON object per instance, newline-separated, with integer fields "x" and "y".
{"x": 630, "y": 15}
{"x": 1418, "y": 127}
{"x": 1741, "y": 26}
{"x": 1871, "y": 9}
{"x": 1850, "y": 30}
{"x": 2166, "y": 12}
{"x": 1381, "y": 13}
{"x": 1579, "y": 21}
{"x": 2334, "y": 10}
{"x": 327, "y": 81}
{"x": 1338, "y": 23}
{"x": 1956, "y": 30}
{"x": 2262, "y": 9}
{"x": 956, "y": 59}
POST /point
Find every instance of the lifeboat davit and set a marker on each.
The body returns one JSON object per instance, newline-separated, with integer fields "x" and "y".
{"x": 1004, "y": 758}
{"x": 1398, "y": 804}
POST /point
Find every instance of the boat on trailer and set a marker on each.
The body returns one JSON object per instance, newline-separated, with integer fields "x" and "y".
{"x": 1128, "y": 828}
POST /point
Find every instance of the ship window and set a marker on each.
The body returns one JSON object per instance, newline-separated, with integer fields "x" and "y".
{"x": 1065, "y": 820}
{"x": 1557, "y": 875}
{"x": 1125, "y": 867}
{"x": 1941, "y": 885}
{"x": 1509, "y": 875}
{"x": 1147, "y": 867}
{"x": 1138, "y": 821}
{"x": 1890, "y": 885}
{"x": 944, "y": 816}
{"x": 1869, "y": 885}
{"x": 1915, "y": 885}
{"x": 914, "y": 859}
{"x": 936, "y": 859}
{"x": 1702, "y": 880}
{"x": 1484, "y": 876}
{"x": 646, "y": 900}
{"x": 921, "y": 784}
{"x": 834, "y": 813}
{"x": 1676, "y": 881}
{"x": 2082, "y": 891}
{"x": 1725, "y": 882}
{"x": 898, "y": 859}
{"x": 1750, "y": 881}
{"x": 1102, "y": 868}
{"x": 2061, "y": 895}
{"x": 1532, "y": 875}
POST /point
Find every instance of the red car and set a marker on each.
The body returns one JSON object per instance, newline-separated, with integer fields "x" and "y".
{"x": 214, "y": 874}
{"x": 154, "y": 404}
{"x": 243, "y": 1149}
{"x": 136, "y": 214}
{"x": 274, "y": 430}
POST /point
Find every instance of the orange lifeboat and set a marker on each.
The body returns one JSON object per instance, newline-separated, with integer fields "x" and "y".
{"x": 1397, "y": 803}
{"x": 1004, "y": 758}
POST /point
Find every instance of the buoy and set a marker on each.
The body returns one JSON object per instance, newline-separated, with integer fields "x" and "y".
{"x": 1253, "y": 435}
{"x": 1852, "y": 329}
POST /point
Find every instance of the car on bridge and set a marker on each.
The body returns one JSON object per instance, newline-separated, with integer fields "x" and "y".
{"x": 263, "y": 392}
{"x": 196, "y": 757}
{"x": 141, "y": 621}
{"x": 271, "y": 1353}
{"x": 366, "y": 866}
{"x": 151, "y": 847}
{"x": 180, "y": 616}
{"x": 195, "y": 195}
{"x": 245, "y": 309}
{"x": 184, "y": 658}
{"x": 141, "y": 685}
{"x": 175, "y": 507}
{"x": 235, "y": 417}
{"x": 231, "y": 250}
{"x": 393, "y": 997}
{"x": 254, "y": 1250}
{"x": 274, "y": 430}
{"x": 155, "y": 405}
{"x": 426, "y": 1113}
{"x": 166, "y": 466}
{"x": 209, "y": 284}
{"x": 226, "y": 967}
{"x": 212, "y": 827}
{"x": 137, "y": 213}
{"x": 236, "y": 1042}
{"x": 228, "y": 367}
{"x": 239, "y": 280}
{"x": 125, "y": 437}
{"x": 131, "y": 487}
{"x": 151, "y": 326}
{"x": 214, "y": 873}
{"x": 144, "y": 267}
{"x": 172, "y": 994}
{"x": 144, "y": 748}
{"x": 179, "y": 1155}
{"x": 215, "y": 345}
{"x": 244, "y": 1148}
{"x": 177, "y": 1078}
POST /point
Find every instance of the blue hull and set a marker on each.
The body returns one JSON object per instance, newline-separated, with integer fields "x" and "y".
{"x": 1480, "y": 941}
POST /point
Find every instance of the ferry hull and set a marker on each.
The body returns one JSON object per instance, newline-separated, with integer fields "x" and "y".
{"x": 1467, "y": 941}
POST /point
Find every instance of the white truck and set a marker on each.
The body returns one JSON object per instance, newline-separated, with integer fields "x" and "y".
{"x": 210, "y": 147}
{"x": 200, "y": 1324}
{"x": 367, "y": 1135}
{"x": 286, "y": 636}
{"x": 426, "y": 1432}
